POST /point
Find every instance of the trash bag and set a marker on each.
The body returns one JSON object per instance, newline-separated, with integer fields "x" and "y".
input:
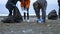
{"x": 52, "y": 15}
{"x": 12, "y": 20}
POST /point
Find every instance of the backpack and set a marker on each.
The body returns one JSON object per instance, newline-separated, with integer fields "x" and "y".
{"x": 52, "y": 15}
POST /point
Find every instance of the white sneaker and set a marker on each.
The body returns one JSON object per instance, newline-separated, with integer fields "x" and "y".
{"x": 40, "y": 20}
{"x": 28, "y": 20}
{"x": 24, "y": 20}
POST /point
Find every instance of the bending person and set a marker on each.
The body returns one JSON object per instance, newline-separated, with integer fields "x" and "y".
{"x": 40, "y": 4}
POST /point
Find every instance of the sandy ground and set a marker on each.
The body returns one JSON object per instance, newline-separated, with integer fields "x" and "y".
{"x": 50, "y": 27}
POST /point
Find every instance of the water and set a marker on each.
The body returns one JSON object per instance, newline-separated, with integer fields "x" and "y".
{"x": 50, "y": 7}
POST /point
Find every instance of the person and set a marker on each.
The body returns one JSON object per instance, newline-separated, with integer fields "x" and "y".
{"x": 25, "y": 6}
{"x": 59, "y": 8}
{"x": 10, "y": 5}
{"x": 40, "y": 4}
{"x": 14, "y": 14}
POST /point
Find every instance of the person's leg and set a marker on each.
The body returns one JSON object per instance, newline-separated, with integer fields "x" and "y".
{"x": 27, "y": 5}
{"x": 24, "y": 16}
{"x": 43, "y": 14}
{"x": 27, "y": 14}
{"x": 44, "y": 6}
{"x": 10, "y": 12}
{"x": 59, "y": 9}
{"x": 10, "y": 8}
{"x": 59, "y": 13}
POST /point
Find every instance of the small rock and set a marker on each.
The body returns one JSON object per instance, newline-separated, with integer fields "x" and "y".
{"x": 12, "y": 31}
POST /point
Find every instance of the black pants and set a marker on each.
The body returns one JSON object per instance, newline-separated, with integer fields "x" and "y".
{"x": 59, "y": 9}
{"x": 10, "y": 7}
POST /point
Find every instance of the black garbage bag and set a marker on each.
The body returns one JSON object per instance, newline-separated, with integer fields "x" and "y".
{"x": 52, "y": 15}
{"x": 12, "y": 20}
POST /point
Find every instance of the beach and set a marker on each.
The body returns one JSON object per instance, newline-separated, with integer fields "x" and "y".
{"x": 50, "y": 27}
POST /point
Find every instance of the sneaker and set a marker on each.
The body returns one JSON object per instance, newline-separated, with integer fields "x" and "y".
{"x": 40, "y": 21}
{"x": 24, "y": 20}
{"x": 27, "y": 20}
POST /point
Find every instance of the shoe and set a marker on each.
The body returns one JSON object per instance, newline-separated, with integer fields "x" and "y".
{"x": 41, "y": 21}
{"x": 24, "y": 20}
{"x": 38, "y": 20}
{"x": 28, "y": 20}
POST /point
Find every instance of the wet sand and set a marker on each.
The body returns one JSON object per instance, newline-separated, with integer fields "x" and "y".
{"x": 50, "y": 27}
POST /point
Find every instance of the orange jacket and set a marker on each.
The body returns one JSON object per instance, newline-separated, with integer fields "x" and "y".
{"x": 25, "y": 3}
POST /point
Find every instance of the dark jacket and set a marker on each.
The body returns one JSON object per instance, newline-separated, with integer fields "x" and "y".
{"x": 59, "y": 2}
{"x": 11, "y": 4}
{"x": 12, "y": 1}
{"x": 42, "y": 2}
{"x": 25, "y": 3}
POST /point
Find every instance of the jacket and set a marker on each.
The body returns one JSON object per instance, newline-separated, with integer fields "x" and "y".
{"x": 25, "y": 3}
